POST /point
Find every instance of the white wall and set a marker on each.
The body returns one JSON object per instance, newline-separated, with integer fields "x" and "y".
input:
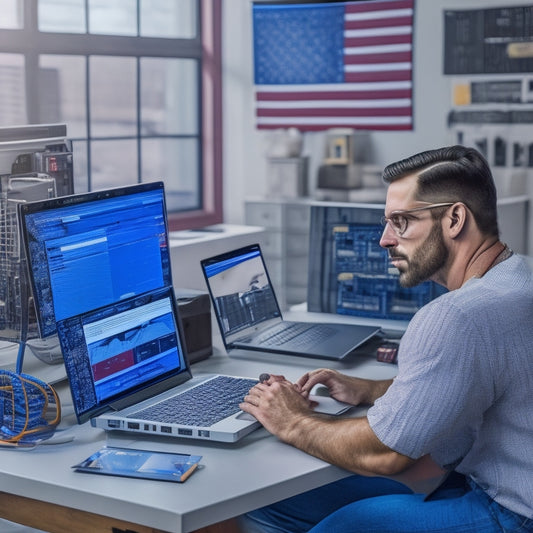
{"x": 245, "y": 172}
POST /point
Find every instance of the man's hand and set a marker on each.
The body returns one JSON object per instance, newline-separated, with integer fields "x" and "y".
{"x": 285, "y": 411}
{"x": 347, "y": 389}
{"x": 277, "y": 404}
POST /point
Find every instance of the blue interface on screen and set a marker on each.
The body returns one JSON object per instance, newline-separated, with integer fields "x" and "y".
{"x": 114, "y": 350}
{"x": 249, "y": 298}
{"x": 88, "y": 254}
{"x": 221, "y": 266}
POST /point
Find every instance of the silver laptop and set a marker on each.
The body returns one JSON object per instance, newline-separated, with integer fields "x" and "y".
{"x": 128, "y": 371}
{"x": 249, "y": 316}
{"x": 100, "y": 268}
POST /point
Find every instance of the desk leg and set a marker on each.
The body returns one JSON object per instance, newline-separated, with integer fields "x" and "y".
{"x": 59, "y": 519}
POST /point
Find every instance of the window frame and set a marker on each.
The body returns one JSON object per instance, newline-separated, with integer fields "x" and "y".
{"x": 32, "y": 44}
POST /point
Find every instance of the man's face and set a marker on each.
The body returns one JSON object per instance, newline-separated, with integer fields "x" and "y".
{"x": 425, "y": 261}
{"x": 419, "y": 252}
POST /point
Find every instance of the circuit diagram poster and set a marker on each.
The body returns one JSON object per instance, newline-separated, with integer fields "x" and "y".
{"x": 488, "y": 41}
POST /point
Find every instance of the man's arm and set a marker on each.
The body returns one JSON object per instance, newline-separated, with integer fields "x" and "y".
{"x": 348, "y": 443}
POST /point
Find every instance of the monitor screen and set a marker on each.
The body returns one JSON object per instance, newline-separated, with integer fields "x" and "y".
{"x": 115, "y": 350}
{"x": 350, "y": 273}
{"x": 89, "y": 250}
{"x": 240, "y": 286}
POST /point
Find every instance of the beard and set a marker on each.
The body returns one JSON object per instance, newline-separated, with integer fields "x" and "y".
{"x": 426, "y": 260}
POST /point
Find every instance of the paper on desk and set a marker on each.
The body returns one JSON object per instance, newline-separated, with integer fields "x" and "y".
{"x": 328, "y": 405}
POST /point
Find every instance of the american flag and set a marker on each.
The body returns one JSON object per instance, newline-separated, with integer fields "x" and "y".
{"x": 321, "y": 66}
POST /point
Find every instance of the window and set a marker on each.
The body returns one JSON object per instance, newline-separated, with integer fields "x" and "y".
{"x": 136, "y": 81}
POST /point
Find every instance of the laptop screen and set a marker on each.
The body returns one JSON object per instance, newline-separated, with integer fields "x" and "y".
{"x": 241, "y": 290}
{"x": 120, "y": 349}
{"x": 89, "y": 250}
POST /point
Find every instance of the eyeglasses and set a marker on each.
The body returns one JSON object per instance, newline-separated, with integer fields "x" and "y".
{"x": 399, "y": 221}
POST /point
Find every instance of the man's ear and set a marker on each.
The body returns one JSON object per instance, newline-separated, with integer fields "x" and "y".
{"x": 455, "y": 219}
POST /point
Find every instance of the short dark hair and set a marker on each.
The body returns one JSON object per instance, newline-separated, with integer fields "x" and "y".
{"x": 453, "y": 174}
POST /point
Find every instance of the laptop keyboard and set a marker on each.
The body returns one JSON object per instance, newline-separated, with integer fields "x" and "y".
{"x": 298, "y": 334}
{"x": 203, "y": 405}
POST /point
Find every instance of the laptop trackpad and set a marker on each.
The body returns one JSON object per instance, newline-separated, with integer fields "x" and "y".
{"x": 329, "y": 406}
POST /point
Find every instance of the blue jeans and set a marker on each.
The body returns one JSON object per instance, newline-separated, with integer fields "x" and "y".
{"x": 377, "y": 505}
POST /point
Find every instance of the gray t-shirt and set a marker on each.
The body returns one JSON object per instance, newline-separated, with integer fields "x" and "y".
{"x": 464, "y": 389}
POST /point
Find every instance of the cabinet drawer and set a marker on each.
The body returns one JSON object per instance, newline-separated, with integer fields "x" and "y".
{"x": 296, "y": 274}
{"x": 267, "y": 215}
{"x": 295, "y": 295}
{"x": 272, "y": 244}
{"x": 297, "y": 244}
{"x": 298, "y": 217}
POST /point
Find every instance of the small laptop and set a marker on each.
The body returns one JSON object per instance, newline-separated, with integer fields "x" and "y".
{"x": 128, "y": 371}
{"x": 250, "y": 318}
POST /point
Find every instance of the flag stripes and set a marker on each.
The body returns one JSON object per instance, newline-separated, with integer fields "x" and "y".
{"x": 320, "y": 66}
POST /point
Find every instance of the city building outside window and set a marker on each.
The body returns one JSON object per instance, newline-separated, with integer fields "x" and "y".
{"x": 138, "y": 84}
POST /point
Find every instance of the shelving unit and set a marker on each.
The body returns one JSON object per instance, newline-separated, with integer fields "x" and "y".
{"x": 285, "y": 244}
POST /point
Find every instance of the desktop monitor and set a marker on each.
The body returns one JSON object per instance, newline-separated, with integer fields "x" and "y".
{"x": 88, "y": 250}
{"x": 350, "y": 273}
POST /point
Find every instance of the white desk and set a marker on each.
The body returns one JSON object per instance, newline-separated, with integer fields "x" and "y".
{"x": 233, "y": 479}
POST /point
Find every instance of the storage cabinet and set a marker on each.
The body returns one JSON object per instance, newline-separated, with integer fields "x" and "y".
{"x": 285, "y": 244}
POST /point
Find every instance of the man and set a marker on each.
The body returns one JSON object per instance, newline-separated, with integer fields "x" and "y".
{"x": 463, "y": 392}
